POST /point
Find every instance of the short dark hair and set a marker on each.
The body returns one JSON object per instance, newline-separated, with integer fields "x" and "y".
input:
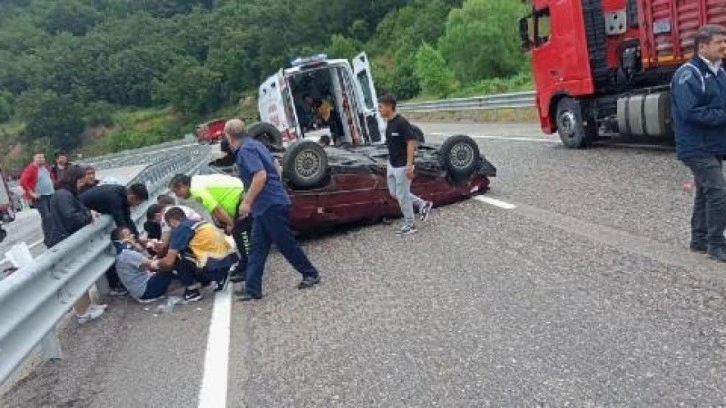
{"x": 60, "y": 153}
{"x": 139, "y": 190}
{"x": 706, "y": 33}
{"x": 174, "y": 214}
{"x": 153, "y": 210}
{"x": 388, "y": 99}
{"x": 180, "y": 180}
{"x": 70, "y": 176}
{"x": 165, "y": 199}
{"x": 116, "y": 233}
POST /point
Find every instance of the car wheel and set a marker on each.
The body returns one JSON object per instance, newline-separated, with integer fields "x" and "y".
{"x": 3, "y": 234}
{"x": 265, "y": 133}
{"x": 459, "y": 156}
{"x": 305, "y": 164}
{"x": 573, "y": 132}
{"x": 419, "y": 134}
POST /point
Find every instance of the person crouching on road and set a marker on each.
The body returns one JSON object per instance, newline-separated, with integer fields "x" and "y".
{"x": 137, "y": 272}
{"x": 67, "y": 216}
{"x": 197, "y": 249}
{"x": 221, "y": 196}
{"x": 699, "y": 115}
{"x": 401, "y": 143}
{"x": 267, "y": 201}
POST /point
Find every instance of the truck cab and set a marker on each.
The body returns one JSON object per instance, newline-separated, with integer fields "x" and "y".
{"x": 602, "y": 68}
{"x": 317, "y": 96}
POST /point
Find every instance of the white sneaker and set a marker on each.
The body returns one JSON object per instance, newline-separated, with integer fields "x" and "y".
{"x": 102, "y": 307}
{"x": 92, "y": 313}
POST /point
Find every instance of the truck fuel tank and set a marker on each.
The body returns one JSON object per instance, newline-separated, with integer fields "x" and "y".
{"x": 645, "y": 115}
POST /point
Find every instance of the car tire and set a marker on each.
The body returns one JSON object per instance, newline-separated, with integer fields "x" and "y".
{"x": 305, "y": 164}
{"x": 459, "y": 156}
{"x": 265, "y": 133}
{"x": 419, "y": 134}
{"x": 573, "y": 132}
{"x": 3, "y": 234}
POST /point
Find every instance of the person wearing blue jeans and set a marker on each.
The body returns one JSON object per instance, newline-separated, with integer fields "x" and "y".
{"x": 267, "y": 202}
{"x": 698, "y": 105}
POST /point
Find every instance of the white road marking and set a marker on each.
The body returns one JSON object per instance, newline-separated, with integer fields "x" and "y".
{"x": 216, "y": 360}
{"x": 513, "y": 138}
{"x": 495, "y": 202}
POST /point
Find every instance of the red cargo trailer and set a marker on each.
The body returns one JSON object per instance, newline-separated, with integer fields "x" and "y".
{"x": 603, "y": 67}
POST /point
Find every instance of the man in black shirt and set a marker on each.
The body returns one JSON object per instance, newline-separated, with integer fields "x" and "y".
{"x": 401, "y": 143}
{"x": 116, "y": 200}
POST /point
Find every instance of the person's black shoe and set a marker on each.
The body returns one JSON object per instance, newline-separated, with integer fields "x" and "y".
{"x": 718, "y": 253}
{"x": 246, "y": 297}
{"x": 699, "y": 246}
{"x": 192, "y": 295}
{"x": 222, "y": 283}
{"x": 309, "y": 282}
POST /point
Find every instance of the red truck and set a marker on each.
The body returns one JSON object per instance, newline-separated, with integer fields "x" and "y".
{"x": 603, "y": 67}
{"x": 210, "y": 132}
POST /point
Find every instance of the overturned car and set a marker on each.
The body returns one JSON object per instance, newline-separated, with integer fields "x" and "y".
{"x": 317, "y": 98}
{"x": 337, "y": 185}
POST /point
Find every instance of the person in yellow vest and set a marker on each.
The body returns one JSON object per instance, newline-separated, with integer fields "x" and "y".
{"x": 197, "y": 247}
{"x": 220, "y": 195}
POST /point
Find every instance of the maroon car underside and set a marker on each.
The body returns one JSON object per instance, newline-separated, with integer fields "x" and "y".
{"x": 350, "y": 198}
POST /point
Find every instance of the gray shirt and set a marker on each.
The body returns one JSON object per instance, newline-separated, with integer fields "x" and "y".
{"x": 132, "y": 274}
{"x": 44, "y": 185}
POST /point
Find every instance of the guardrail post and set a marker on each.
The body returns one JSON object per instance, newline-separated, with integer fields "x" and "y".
{"x": 51, "y": 346}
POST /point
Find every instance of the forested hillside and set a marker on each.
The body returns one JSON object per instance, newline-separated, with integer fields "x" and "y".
{"x": 114, "y": 74}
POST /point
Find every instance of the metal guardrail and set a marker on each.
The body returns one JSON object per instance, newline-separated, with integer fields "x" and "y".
{"x": 487, "y": 102}
{"x": 187, "y": 140}
{"x": 36, "y": 297}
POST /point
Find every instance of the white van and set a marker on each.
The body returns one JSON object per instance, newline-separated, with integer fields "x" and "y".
{"x": 285, "y": 101}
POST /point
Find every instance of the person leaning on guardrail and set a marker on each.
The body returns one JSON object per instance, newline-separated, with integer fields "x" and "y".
{"x": 116, "y": 200}
{"x": 67, "y": 216}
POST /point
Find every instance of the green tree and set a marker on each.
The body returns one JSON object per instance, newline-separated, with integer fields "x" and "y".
{"x": 343, "y": 47}
{"x": 59, "y": 118}
{"x": 436, "y": 78}
{"x": 6, "y": 106}
{"x": 192, "y": 88}
{"x": 481, "y": 40}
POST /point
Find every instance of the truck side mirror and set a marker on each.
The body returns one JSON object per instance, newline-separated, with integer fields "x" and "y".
{"x": 526, "y": 42}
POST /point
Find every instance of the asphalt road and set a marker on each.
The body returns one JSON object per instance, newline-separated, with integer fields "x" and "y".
{"x": 582, "y": 293}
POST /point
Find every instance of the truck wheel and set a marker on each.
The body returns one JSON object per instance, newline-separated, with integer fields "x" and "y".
{"x": 305, "y": 164}
{"x": 459, "y": 156}
{"x": 419, "y": 134}
{"x": 265, "y": 133}
{"x": 573, "y": 133}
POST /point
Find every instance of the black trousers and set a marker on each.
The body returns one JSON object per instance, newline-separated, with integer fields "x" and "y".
{"x": 241, "y": 233}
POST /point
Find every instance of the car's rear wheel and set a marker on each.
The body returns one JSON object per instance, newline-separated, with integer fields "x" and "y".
{"x": 419, "y": 134}
{"x": 459, "y": 156}
{"x": 305, "y": 164}
{"x": 265, "y": 133}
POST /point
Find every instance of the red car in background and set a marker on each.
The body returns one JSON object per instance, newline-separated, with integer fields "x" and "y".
{"x": 210, "y": 132}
